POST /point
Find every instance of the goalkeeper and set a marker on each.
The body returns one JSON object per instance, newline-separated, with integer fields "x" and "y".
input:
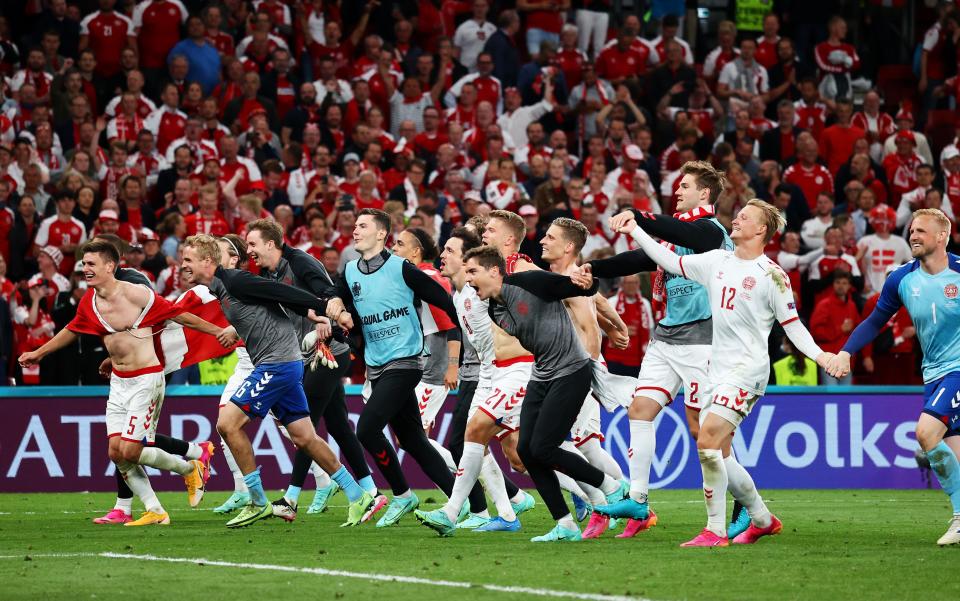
{"x": 326, "y": 360}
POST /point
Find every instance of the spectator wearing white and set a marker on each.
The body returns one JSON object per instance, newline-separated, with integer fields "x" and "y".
{"x": 410, "y": 104}
{"x": 915, "y": 199}
{"x": 488, "y": 87}
{"x": 593, "y": 21}
{"x": 814, "y": 228}
{"x": 536, "y": 146}
{"x": 193, "y": 139}
{"x": 329, "y": 83}
{"x": 905, "y": 122}
{"x": 789, "y": 256}
{"x": 587, "y": 99}
{"x": 622, "y": 176}
{"x": 473, "y": 34}
{"x": 743, "y": 78}
{"x": 516, "y": 117}
{"x": 718, "y": 57}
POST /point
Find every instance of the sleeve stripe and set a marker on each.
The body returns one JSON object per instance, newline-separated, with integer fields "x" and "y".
{"x": 682, "y": 272}
{"x": 791, "y": 320}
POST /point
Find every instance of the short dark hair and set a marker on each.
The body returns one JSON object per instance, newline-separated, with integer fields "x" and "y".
{"x": 468, "y": 239}
{"x": 239, "y": 247}
{"x": 573, "y": 231}
{"x": 487, "y": 257}
{"x": 104, "y": 248}
{"x": 269, "y": 230}
{"x": 380, "y": 218}
{"x": 428, "y": 247}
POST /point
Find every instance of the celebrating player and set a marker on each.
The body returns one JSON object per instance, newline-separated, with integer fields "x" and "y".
{"x": 747, "y": 292}
{"x": 928, "y": 287}
{"x": 527, "y": 306}
{"x": 385, "y": 291}
{"x": 256, "y": 308}
{"x": 481, "y": 424}
{"x": 125, "y": 314}
{"x": 323, "y": 384}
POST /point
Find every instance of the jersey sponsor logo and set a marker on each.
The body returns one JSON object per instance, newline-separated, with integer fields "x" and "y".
{"x": 950, "y": 291}
{"x": 748, "y": 283}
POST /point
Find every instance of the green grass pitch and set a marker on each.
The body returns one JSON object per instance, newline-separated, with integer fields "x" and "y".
{"x": 837, "y": 544}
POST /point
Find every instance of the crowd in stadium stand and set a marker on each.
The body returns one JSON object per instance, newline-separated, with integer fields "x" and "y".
{"x": 156, "y": 120}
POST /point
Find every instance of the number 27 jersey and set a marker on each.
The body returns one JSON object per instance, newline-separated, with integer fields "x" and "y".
{"x": 746, "y": 297}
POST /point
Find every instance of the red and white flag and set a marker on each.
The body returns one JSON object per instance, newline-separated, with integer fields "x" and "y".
{"x": 179, "y": 347}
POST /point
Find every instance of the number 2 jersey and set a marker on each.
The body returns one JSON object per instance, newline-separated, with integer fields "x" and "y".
{"x": 746, "y": 297}
{"x": 933, "y": 302}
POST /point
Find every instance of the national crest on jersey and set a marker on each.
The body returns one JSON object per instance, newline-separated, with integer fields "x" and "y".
{"x": 686, "y": 300}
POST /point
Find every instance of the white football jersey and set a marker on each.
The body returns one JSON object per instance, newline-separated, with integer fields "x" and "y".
{"x": 745, "y": 298}
{"x": 477, "y": 326}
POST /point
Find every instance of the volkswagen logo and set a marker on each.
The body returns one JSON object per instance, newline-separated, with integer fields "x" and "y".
{"x": 673, "y": 445}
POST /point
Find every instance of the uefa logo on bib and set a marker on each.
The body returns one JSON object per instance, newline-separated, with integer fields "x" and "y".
{"x": 673, "y": 444}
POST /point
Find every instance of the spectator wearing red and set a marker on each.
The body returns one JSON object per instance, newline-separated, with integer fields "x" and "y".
{"x": 221, "y": 40}
{"x": 62, "y": 231}
{"x": 724, "y": 53}
{"x": 807, "y": 174}
{"x": 317, "y": 243}
{"x": 638, "y": 317}
{"x": 878, "y": 125}
{"x": 132, "y": 195}
{"x": 779, "y": 143}
{"x": 135, "y": 85}
{"x": 837, "y": 140}
{"x": 893, "y": 350}
{"x": 240, "y": 109}
{"x": 901, "y": 166}
{"x": 544, "y": 19}
{"x": 767, "y": 43}
{"x": 115, "y": 171}
{"x": 811, "y": 112}
{"x": 836, "y": 60}
{"x": 208, "y": 220}
{"x": 108, "y": 222}
{"x": 106, "y": 33}
{"x": 167, "y": 123}
{"x": 905, "y": 123}
{"x": 570, "y": 59}
{"x": 231, "y": 163}
{"x": 832, "y": 320}
{"x": 126, "y": 126}
{"x": 669, "y": 27}
{"x": 488, "y": 88}
{"x": 834, "y": 258}
{"x": 626, "y": 58}
{"x": 157, "y": 28}
{"x": 34, "y": 74}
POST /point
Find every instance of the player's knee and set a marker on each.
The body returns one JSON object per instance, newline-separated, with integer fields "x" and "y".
{"x": 130, "y": 453}
{"x": 476, "y": 432}
{"x": 643, "y": 408}
{"x": 514, "y": 459}
{"x": 115, "y": 455}
{"x": 927, "y": 436}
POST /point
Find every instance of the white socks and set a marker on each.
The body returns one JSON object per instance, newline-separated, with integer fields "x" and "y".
{"x": 493, "y": 483}
{"x": 447, "y": 456}
{"x": 601, "y": 459}
{"x": 124, "y": 505}
{"x": 567, "y": 483}
{"x": 743, "y": 489}
{"x": 193, "y": 451}
{"x": 470, "y": 464}
{"x": 568, "y": 523}
{"x": 238, "y": 484}
{"x": 594, "y": 495}
{"x": 714, "y": 490}
{"x": 163, "y": 460}
{"x": 643, "y": 445}
{"x": 138, "y": 482}
{"x": 322, "y": 477}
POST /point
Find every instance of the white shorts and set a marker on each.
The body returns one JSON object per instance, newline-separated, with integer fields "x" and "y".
{"x": 241, "y": 371}
{"x": 503, "y": 401}
{"x": 430, "y": 398}
{"x": 610, "y": 389}
{"x": 667, "y": 368}
{"x": 134, "y": 403}
{"x": 729, "y": 402}
{"x": 587, "y": 425}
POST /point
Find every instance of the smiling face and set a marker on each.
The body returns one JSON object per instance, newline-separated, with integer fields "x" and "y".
{"x": 96, "y": 269}
{"x": 263, "y": 252}
{"x": 926, "y": 236}
{"x": 688, "y": 196}
{"x": 554, "y": 244}
{"x": 194, "y": 269}
{"x": 366, "y": 234}
{"x": 748, "y": 224}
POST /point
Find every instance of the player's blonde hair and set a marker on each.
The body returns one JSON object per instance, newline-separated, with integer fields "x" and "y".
{"x": 205, "y": 246}
{"x": 772, "y": 218}
{"x": 513, "y": 222}
{"x": 937, "y": 215}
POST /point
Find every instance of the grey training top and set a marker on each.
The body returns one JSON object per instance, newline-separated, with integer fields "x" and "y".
{"x": 470, "y": 364}
{"x": 435, "y": 352}
{"x": 530, "y": 308}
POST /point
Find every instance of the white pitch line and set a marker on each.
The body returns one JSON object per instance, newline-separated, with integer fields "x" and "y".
{"x": 513, "y": 590}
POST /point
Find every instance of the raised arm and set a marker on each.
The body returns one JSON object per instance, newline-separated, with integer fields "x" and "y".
{"x": 251, "y": 288}
{"x": 700, "y": 235}
{"x": 659, "y": 253}
{"x": 549, "y": 286}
